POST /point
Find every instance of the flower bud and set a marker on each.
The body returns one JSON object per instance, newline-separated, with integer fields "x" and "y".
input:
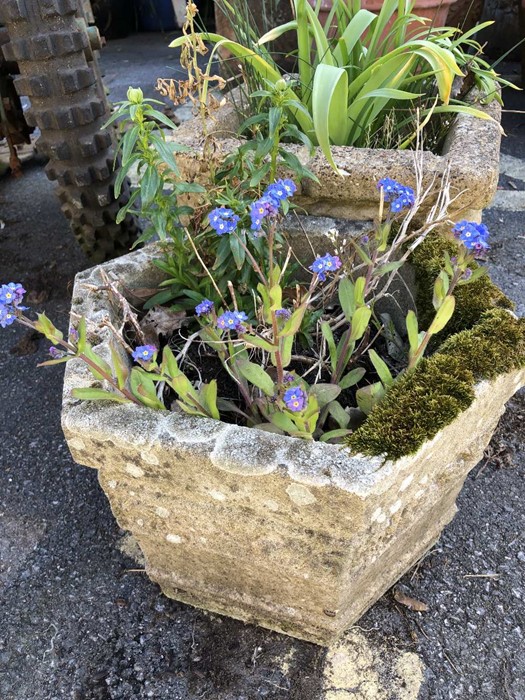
{"x": 135, "y": 95}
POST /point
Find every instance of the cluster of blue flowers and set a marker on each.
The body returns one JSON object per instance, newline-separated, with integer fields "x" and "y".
{"x": 295, "y": 398}
{"x": 231, "y": 320}
{"x": 472, "y": 235}
{"x": 269, "y": 203}
{"x": 399, "y": 196}
{"x": 144, "y": 353}
{"x": 328, "y": 263}
{"x": 204, "y": 308}
{"x": 283, "y": 313}
{"x": 223, "y": 220}
{"x": 11, "y": 296}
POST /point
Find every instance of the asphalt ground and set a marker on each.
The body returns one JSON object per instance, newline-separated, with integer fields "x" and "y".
{"x": 80, "y": 620}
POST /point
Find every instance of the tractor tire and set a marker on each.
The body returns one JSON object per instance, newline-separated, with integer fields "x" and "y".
{"x": 49, "y": 41}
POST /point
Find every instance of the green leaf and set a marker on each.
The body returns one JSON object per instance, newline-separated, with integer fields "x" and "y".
{"x": 283, "y": 423}
{"x": 120, "y": 366}
{"x": 165, "y": 151}
{"x": 122, "y": 173}
{"x": 129, "y": 141}
{"x": 101, "y": 364}
{"x": 286, "y": 350}
{"x": 359, "y": 291}
{"x": 338, "y": 413}
{"x": 189, "y": 188}
{"x": 325, "y": 393}
{"x": 368, "y": 396}
{"x": 329, "y": 337}
{"x": 443, "y": 315}
{"x": 97, "y": 395}
{"x": 82, "y": 334}
{"x": 352, "y": 378}
{"x": 360, "y": 322}
{"x": 257, "y": 376}
{"x": 238, "y": 251}
{"x": 276, "y": 32}
{"x": 155, "y": 114}
{"x": 143, "y": 388}
{"x": 294, "y": 322}
{"x": 441, "y": 286}
{"x": 275, "y": 115}
{"x": 329, "y": 104}
{"x": 352, "y": 35}
{"x": 412, "y": 330}
{"x": 347, "y": 297}
{"x": 149, "y": 184}
{"x": 276, "y": 297}
{"x": 381, "y": 368}
{"x": 389, "y": 267}
{"x": 45, "y": 326}
{"x": 258, "y": 342}
{"x": 331, "y": 434}
{"x": 208, "y": 392}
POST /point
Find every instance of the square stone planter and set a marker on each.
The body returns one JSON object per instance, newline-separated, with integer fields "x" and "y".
{"x": 470, "y": 155}
{"x": 300, "y": 537}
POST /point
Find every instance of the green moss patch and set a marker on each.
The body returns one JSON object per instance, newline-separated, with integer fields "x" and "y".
{"x": 415, "y": 408}
{"x": 424, "y": 401}
{"x": 472, "y": 300}
{"x": 493, "y": 346}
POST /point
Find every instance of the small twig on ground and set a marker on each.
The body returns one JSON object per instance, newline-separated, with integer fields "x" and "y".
{"x": 447, "y": 657}
{"x": 51, "y": 648}
{"x": 496, "y": 576}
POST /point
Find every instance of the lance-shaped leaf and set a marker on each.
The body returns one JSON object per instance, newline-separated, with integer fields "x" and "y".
{"x": 332, "y": 434}
{"x": 381, "y": 368}
{"x": 338, "y": 413}
{"x": 360, "y": 322}
{"x": 208, "y": 396}
{"x": 97, "y": 395}
{"x": 347, "y": 297}
{"x": 368, "y": 396}
{"x": 352, "y": 378}
{"x": 412, "y": 330}
{"x": 45, "y": 326}
{"x": 325, "y": 393}
{"x": 329, "y": 104}
{"x": 443, "y": 315}
{"x": 257, "y": 376}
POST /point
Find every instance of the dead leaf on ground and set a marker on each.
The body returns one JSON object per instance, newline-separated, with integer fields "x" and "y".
{"x": 37, "y": 296}
{"x": 408, "y": 602}
{"x": 141, "y": 292}
{"x": 162, "y": 321}
{"x": 27, "y": 345}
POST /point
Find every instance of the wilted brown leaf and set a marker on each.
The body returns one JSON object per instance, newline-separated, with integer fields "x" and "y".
{"x": 161, "y": 321}
{"x": 408, "y": 602}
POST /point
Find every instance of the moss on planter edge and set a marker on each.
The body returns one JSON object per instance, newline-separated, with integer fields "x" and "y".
{"x": 472, "y": 300}
{"x": 424, "y": 401}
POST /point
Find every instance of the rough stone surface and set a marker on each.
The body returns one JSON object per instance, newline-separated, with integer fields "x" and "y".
{"x": 295, "y": 536}
{"x": 471, "y": 152}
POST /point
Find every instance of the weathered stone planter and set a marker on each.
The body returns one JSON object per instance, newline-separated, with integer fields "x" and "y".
{"x": 295, "y": 536}
{"x": 470, "y": 153}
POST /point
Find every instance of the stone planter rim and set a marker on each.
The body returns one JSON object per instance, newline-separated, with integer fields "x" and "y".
{"x": 470, "y": 155}
{"x": 320, "y": 494}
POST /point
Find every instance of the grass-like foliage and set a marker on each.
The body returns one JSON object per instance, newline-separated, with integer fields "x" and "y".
{"x": 361, "y": 75}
